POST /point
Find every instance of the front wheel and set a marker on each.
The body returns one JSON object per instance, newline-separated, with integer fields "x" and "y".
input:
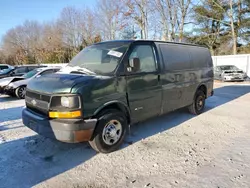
{"x": 110, "y": 131}
{"x": 20, "y": 92}
{"x": 198, "y": 104}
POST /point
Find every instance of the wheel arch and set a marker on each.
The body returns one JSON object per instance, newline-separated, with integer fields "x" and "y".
{"x": 23, "y": 85}
{"x": 203, "y": 88}
{"x": 117, "y": 105}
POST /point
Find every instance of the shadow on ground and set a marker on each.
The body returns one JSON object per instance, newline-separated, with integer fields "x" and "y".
{"x": 27, "y": 162}
{"x": 154, "y": 126}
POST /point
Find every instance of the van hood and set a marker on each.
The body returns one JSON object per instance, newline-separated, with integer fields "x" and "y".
{"x": 58, "y": 83}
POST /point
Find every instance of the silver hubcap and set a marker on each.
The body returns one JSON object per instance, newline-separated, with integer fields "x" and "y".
{"x": 200, "y": 103}
{"x": 112, "y": 132}
{"x": 22, "y": 92}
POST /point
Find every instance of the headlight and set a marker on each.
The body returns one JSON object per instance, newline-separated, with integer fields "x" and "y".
{"x": 65, "y": 107}
{"x": 62, "y": 103}
{"x": 65, "y": 101}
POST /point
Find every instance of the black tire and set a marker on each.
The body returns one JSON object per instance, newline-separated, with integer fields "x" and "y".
{"x": 19, "y": 92}
{"x": 198, "y": 104}
{"x": 98, "y": 141}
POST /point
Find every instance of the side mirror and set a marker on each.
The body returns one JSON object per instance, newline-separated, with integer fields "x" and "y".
{"x": 39, "y": 75}
{"x": 134, "y": 65}
{"x": 12, "y": 73}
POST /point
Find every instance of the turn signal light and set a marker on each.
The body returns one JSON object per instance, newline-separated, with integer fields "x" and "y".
{"x": 74, "y": 114}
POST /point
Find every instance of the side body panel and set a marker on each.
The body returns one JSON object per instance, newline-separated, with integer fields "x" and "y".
{"x": 185, "y": 69}
{"x": 144, "y": 96}
{"x": 144, "y": 88}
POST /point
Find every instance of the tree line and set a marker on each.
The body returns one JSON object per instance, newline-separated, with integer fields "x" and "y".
{"x": 221, "y": 25}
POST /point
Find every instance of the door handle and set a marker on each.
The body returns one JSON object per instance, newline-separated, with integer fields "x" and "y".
{"x": 159, "y": 77}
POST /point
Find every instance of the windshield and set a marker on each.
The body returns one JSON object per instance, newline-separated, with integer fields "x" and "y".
{"x": 229, "y": 67}
{"x": 31, "y": 73}
{"x": 100, "y": 58}
{"x": 4, "y": 71}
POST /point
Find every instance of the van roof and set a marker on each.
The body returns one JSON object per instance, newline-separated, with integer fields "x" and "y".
{"x": 158, "y": 41}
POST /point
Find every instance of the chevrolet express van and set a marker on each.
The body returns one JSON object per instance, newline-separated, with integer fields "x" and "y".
{"x": 111, "y": 85}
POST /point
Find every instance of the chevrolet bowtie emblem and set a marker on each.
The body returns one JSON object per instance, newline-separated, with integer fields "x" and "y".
{"x": 34, "y": 102}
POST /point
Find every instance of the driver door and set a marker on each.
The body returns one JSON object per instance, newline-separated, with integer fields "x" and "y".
{"x": 143, "y": 86}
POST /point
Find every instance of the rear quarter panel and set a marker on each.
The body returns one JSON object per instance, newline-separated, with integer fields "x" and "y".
{"x": 181, "y": 82}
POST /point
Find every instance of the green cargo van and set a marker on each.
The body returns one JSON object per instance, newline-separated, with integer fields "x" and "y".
{"x": 111, "y": 85}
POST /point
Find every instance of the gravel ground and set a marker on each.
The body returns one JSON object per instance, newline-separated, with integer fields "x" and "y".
{"x": 175, "y": 150}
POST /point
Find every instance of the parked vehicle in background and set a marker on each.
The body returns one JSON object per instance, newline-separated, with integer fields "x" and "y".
{"x": 5, "y": 66}
{"x": 6, "y": 72}
{"x": 229, "y": 73}
{"x": 18, "y": 70}
{"x": 111, "y": 85}
{"x": 17, "y": 85}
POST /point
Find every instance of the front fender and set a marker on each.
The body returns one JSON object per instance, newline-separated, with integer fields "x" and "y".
{"x": 118, "y": 104}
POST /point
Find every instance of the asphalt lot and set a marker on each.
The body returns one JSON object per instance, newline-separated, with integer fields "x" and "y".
{"x": 175, "y": 150}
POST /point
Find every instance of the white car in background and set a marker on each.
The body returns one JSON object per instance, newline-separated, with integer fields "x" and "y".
{"x": 16, "y": 86}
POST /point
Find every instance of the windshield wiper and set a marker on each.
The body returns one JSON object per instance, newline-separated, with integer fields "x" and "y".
{"x": 76, "y": 69}
{"x": 84, "y": 70}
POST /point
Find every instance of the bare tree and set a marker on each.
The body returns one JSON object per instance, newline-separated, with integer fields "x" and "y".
{"x": 173, "y": 15}
{"x": 91, "y": 30}
{"x": 183, "y": 7}
{"x": 23, "y": 41}
{"x": 234, "y": 36}
{"x": 161, "y": 8}
{"x": 138, "y": 11}
{"x": 71, "y": 28}
{"x": 110, "y": 18}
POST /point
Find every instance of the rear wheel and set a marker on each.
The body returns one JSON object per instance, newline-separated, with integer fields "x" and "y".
{"x": 20, "y": 92}
{"x": 110, "y": 131}
{"x": 198, "y": 104}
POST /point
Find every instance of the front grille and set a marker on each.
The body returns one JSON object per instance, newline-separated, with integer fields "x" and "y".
{"x": 38, "y": 96}
{"x": 37, "y": 102}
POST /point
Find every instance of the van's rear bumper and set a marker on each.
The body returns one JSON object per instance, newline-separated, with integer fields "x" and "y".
{"x": 65, "y": 130}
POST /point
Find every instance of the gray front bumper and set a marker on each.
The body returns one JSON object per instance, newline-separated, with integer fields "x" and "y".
{"x": 65, "y": 130}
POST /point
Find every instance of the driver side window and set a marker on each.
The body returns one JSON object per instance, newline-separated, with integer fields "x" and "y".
{"x": 146, "y": 56}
